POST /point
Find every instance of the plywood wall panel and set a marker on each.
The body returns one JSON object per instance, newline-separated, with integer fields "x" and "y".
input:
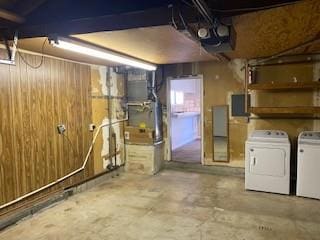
{"x": 219, "y": 83}
{"x": 284, "y": 73}
{"x": 269, "y": 32}
{"x": 32, "y": 103}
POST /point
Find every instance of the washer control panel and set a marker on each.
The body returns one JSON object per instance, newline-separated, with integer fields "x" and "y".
{"x": 310, "y": 135}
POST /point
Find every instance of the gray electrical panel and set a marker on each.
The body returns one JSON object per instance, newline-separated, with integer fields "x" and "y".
{"x": 238, "y": 105}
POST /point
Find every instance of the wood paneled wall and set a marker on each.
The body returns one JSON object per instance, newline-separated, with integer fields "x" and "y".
{"x": 32, "y": 103}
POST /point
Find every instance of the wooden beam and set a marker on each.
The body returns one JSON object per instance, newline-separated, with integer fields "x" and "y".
{"x": 147, "y": 18}
{"x": 285, "y": 86}
{"x": 27, "y": 6}
{"x": 307, "y": 110}
{"x": 10, "y": 16}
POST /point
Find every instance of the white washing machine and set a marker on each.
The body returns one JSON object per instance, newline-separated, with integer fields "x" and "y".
{"x": 308, "y": 174}
{"x": 267, "y": 166}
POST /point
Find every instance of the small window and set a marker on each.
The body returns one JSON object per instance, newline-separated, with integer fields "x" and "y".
{"x": 177, "y": 98}
{"x": 173, "y": 97}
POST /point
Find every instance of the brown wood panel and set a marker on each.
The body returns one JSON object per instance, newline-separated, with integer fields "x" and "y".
{"x": 32, "y": 103}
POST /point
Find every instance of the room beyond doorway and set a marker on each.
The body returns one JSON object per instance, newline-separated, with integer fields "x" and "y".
{"x": 185, "y": 119}
{"x": 189, "y": 152}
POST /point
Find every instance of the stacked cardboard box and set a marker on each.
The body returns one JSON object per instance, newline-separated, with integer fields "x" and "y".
{"x": 144, "y": 159}
{"x": 136, "y": 135}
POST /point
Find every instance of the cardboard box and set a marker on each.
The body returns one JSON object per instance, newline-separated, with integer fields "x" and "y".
{"x": 135, "y": 135}
{"x": 144, "y": 159}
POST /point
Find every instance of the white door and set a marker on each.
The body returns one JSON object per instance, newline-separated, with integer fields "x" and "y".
{"x": 308, "y": 178}
{"x": 267, "y": 161}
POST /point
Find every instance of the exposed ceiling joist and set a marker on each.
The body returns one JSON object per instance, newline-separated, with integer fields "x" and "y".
{"x": 147, "y": 18}
{"x": 27, "y": 6}
{"x": 10, "y": 16}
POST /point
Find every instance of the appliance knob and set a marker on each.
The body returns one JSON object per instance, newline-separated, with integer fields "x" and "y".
{"x": 301, "y": 150}
{"x": 251, "y": 150}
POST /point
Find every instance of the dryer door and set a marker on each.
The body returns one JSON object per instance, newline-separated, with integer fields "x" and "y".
{"x": 267, "y": 161}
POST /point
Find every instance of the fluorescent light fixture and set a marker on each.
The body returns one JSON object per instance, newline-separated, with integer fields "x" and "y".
{"x": 86, "y": 49}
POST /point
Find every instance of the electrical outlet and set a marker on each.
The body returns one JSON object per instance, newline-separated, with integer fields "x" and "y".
{"x": 92, "y": 127}
{"x": 61, "y": 128}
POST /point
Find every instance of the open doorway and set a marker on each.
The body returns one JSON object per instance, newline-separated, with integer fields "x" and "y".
{"x": 185, "y": 119}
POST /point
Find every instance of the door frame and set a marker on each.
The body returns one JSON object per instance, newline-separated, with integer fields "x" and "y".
{"x": 168, "y": 83}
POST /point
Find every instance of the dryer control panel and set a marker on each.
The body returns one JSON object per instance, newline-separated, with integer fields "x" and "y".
{"x": 264, "y": 134}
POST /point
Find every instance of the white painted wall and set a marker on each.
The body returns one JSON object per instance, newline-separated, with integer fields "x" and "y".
{"x": 184, "y": 129}
{"x": 186, "y": 85}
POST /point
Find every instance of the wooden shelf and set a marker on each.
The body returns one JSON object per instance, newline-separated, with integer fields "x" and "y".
{"x": 297, "y": 111}
{"x": 284, "y": 86}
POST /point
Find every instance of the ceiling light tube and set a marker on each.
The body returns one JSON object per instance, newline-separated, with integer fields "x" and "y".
{"x": 86, "y": 49}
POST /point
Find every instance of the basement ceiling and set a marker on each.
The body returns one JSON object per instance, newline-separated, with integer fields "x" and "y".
{"x": 44, "y": 11}
{"x": 259, "y": 34}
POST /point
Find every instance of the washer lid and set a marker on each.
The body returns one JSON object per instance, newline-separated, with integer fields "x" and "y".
{"x": 309, "y": 137}
{"x": 269, "y": 136}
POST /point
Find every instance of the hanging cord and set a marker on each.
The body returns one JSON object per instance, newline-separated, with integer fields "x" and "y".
{"x": 42, "y": 56}
{"x": 172, "y": 18}
{"x": 187, "y": 3}
{"x": 71, "y": 145}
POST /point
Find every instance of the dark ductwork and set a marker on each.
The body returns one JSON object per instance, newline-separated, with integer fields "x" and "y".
{"x": 144, "y": 107}
{"x": 220, "y": 37}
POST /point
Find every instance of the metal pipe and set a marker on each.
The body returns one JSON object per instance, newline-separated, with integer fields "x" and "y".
{"x": 115, "y": 149}
{"x": 287, "y": 51}
{"x": 207, "y": 15}
{"x": 108, "y": 83}
{"x": 153, "y": 86}
{"x": 246, "y": 79}
{"x": 10, "y": 16}
{"x": 140, "y": 104}
{"x": 11, "y": 51}
{"x": 68, "y": 175}
{"x": 204, "y": 11}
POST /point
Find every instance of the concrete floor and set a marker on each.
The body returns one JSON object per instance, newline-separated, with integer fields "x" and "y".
{"x": 173, "y": 205}
{"x": 190, "y": 153}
